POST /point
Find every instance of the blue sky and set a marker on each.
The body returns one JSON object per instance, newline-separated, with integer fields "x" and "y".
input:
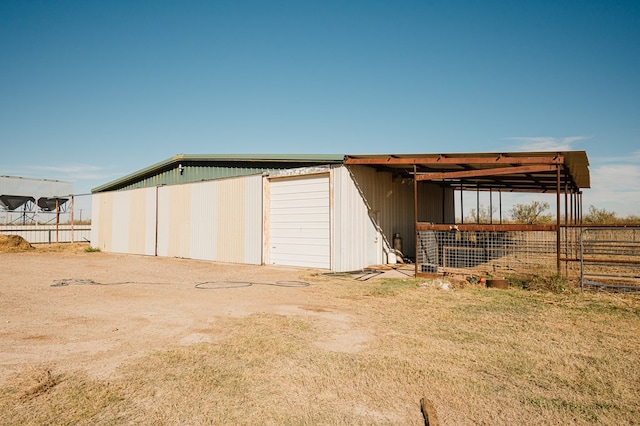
{"x": 93, "y": 90}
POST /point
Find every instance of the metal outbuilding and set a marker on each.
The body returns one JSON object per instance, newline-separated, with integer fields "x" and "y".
{"x": 24, "y": 197}
{"x": 333, "y": 212}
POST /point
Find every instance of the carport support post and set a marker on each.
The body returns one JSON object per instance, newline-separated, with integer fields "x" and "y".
{"x": 415, "y": 216}
{"x": 558, "y": 219}
{"x": 72, "y": 208}
{"x": 57, "y": 218}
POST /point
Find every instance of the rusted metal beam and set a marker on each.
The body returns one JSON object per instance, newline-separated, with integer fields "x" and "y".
{"x": 442, "y": 159}
{"x": 484, "y": 227}
{"x": 486, "y": 172}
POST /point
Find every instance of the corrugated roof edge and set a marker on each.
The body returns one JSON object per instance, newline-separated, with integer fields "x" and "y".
{"x": 176, "y": 159}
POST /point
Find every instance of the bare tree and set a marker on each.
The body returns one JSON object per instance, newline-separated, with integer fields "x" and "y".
{"x": 531, "y": 214}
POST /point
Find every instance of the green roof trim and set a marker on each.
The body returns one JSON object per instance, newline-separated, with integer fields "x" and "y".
{"x": 252, "y": 161}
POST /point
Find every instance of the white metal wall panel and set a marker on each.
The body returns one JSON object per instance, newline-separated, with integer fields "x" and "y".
{"x": 163, "y": 221}
{"x": 253, "y": 220}
{"x": 105, "y": 222}
{"x": 150, "y": 221}
{"x": 120, "y": 205}
{"x": 357, "y": 242}
{"x": 96, "y": 222}
{"x": 299, "y": 221}
{"x": 391, "y": 202}
{"x": 204, "y": 220}
{"x": 140, "y": 227}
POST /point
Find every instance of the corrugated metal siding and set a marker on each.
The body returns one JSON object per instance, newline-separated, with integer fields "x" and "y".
{"x": 95, "y": 218}
{"x": 356, "y": 243}
{"x": 231, "y": 219}
{"x": 105, "y": 221}
{"x": 391, "y": 201}
{"x": 228, "y": 226}
{"x": 253, "y": 220}
{"x": 150, "y": 221}
{"x": 163, "y": 221}
{"x": 214, "y": 220}
{"x": 204, "y": 220}
{"x": 120, "y": 210}
{"x": 193, "y": 173}
{"x": 137, "y": 221}
{"x": 179, "y": 224}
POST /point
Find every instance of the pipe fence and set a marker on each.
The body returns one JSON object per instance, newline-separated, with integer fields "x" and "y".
{"x": 48, "y": 234}
{"x": 610, "y": 258}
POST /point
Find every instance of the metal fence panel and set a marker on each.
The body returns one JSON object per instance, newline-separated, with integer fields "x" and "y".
{"x": 489, "y": 252}
{"x": 47, "y": 234}
{"x": 610, "y": 258}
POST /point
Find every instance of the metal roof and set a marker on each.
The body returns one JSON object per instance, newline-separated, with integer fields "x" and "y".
{"x": 509, "y": 171}
{"x": 242, "y": 164}
{"x": 512, "y": 171}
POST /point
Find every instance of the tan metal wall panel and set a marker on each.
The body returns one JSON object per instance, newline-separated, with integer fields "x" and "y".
{"x": 137, "y": 221}
{"x": 120, "y": 208}
{"x": 101, "y": 208}
{"x": 253, "y": 220}
{"x": 121, "y": 222}
{"x": 204, "y": 217}
{"x": 163, "y": 221}
{"x": 231, "y": 220}
{"x": 150, "y": 221}
{"x": 95, "y": 219}
{"x": 179, "y": 223}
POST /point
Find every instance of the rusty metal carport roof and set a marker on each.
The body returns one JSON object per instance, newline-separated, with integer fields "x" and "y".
{"x": 510, "y": 171}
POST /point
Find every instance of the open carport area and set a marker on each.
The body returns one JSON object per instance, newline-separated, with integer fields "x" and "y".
{"x": 99, "y": 338}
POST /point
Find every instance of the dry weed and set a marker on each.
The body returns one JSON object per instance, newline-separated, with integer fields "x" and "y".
{"x": 13, "y": 244}
{"x": 480, "y": 356}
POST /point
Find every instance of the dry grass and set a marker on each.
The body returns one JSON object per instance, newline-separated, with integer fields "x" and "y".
{"x": 13, "y": 244}
{"x": 16, "y": 244}
{"x": 481, "y": 356}
{"x": 62, "y": 248}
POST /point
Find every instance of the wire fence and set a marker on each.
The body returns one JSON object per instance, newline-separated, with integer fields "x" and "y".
{"x": 599, "y": 257}
{"x": 610, "y": 258}
{"x": 490, "y": 252}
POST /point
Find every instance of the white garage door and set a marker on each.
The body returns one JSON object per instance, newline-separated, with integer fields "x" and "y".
{"x": 299, "y": 222}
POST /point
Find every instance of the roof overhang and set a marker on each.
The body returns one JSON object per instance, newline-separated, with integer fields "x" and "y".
{"x": 513, "y": 171}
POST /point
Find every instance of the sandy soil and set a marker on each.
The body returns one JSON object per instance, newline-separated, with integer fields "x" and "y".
{"x": 98, "y": 327}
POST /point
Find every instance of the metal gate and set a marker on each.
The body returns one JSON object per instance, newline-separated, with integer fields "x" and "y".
{"x": 610, "y": 258}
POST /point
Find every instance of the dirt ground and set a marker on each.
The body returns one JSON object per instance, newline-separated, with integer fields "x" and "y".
{"x": 50, "y": 313}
